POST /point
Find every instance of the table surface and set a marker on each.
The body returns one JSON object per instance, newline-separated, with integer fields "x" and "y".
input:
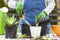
{"x": 55, "y": 37}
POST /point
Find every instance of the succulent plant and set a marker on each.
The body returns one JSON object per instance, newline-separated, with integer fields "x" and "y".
{"x": 11, "y": 21}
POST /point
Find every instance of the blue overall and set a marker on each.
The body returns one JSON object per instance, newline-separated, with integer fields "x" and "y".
{"x": 32, "y": 8}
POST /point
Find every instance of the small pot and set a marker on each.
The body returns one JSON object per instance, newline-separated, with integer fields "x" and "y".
{"x": 10, "y": 31}
{"x": 35, "y": 31}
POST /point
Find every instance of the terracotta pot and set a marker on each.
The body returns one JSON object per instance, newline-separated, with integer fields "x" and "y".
{"x": 56, "y": 29}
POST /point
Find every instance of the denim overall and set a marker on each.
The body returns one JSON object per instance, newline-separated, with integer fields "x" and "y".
{"x": 32, "y": 8}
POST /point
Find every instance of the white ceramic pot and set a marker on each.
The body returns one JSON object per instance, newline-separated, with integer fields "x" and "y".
{"x": 35, "y": 31}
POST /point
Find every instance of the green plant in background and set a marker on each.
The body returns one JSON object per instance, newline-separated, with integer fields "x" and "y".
{"x": 2, "y": 4}
{"x": 11, "y": 21}
{"x": 19, "y": 8}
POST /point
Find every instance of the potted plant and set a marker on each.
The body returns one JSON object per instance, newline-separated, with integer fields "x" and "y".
{"x": 35, "y": 30}
{"x": 11, "y": 27}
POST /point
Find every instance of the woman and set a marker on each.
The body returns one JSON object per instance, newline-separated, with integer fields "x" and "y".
{"x": 35, "y": 7}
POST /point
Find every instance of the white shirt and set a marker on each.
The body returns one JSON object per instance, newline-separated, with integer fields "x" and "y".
{"x": 48, "y": 9}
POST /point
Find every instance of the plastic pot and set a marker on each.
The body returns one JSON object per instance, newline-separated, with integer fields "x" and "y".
{"x": 35, "y": 31}
{"x": 10, "y": 31}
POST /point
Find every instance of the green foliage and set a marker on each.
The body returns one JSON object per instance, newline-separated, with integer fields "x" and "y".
{"x": 23, "y": 36}
{"x": 11, "y": 21}
{"x": 37, "y": 19}
{"x": 19, "y": 8}
{"x": 2, "y": 4}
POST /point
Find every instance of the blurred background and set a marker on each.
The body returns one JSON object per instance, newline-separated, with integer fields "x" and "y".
{"x": 54, "y": 16}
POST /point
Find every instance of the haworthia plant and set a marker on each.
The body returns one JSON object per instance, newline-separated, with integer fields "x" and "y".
{"x": 11, "y": 21}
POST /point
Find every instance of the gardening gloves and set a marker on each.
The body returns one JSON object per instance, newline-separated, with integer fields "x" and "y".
{"x": 19, "y": 8}
{"x": 42, "y": 15}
